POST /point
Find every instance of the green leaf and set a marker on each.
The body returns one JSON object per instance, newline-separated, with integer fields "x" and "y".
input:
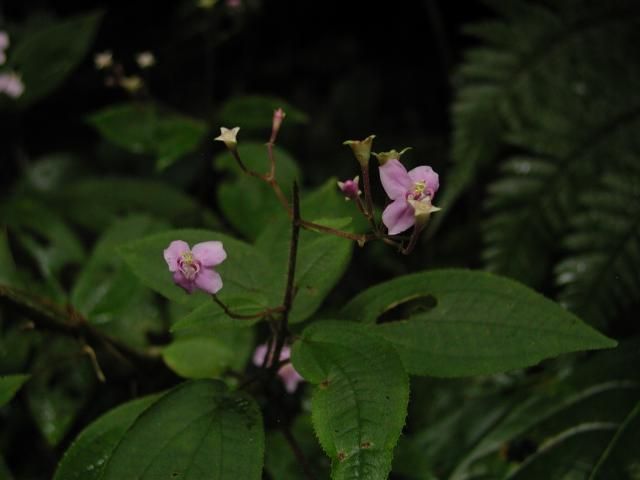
{"x": 247, "y": 202}
{"x": 146, "y": 128}
{"x": 360, "y": 396}
{"x": 44, "y": 57}
{"x": 46, "y": 237}
{"x": 207, "y": 353}
{"x": 245, "y": 272}
{"x": 61, "y": 384}
{"x": 322, "y": 258}
{"x": 119, "y": 196}
{"x": 481, "y": 323}
{"x": 197, "y": 431}
{"x": 105, "y": 283}
{"x": 255, "y": 112}
{"x": 9, "y": 385}
{"x": 87, "y": 456}
{"x": 618, "y": 460}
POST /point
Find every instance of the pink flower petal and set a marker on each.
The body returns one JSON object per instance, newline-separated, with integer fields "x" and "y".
{"x": 428, "y": 176}
{"x": 209, "y": 254}
{"x": 290, "y": 377}
{"x": 259, "y": 354}
{"x": 208, "y": 281}
{"x": 173, "y": 252}
{"x": 395, "y": 179}
{"x": 183, "y": 282}
{"x": 398, "y": 216}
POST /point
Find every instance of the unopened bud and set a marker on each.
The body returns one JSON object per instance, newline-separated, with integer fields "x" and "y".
{"x": 384, "y": 157}
{"x": 228, "y": 136}
{"x": 350, "y": 188}
{"x": 361, "y": 149}
{"x": 278, "y": 116}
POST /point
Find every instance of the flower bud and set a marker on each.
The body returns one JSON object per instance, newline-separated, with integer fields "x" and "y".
{"x": 384, "y": 157}
{"x": 278, "y": 116}
{"x": 350, "y": 188}
{"x": 361, "y": 149}
{"x": 228, "y": 136}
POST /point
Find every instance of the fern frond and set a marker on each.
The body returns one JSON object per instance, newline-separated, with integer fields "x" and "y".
{"x": 556, "y": 83}
{"x": 601, "y": 277}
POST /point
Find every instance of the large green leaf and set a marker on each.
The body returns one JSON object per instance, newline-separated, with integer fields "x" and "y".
{"x": 247, "y": 202}
{"x": 322, "y": 258}
{"x": 246, "y": 271}
{"x": 46, "y": 55}
{"x": 87, "y": 456}
{"x": 9, "y": 385}
{"x": 197, "y": 431}
{"x": 148, "y": 129}
{"x": 480, "y": 324}
{"x": 255, "y": 112}
{"x": 360, "y": 396}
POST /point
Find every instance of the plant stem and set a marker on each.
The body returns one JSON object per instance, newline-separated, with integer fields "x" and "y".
{"x": 297, "y": 451}
{"x": 283, "y": 327}
{"x": 263, "y": 313}
{"x": 366, "y": 182}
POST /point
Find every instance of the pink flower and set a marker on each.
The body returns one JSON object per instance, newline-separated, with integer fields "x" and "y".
{"x": 417, "y": 185}
{"x": 350, "y": 188}
{"x": 11, "y": 84}
{"x": 194, "y": 268}
{"x": 287, "y": 373}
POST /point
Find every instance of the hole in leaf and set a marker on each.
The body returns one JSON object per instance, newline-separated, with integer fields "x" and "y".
{"x": 406, "y": 308}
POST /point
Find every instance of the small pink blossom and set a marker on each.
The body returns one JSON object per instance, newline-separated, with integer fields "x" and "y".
{"x": 289, "y": 376}
{"x": 405, "y": 188}
{"x": 193, "y": 268}
{"x": 350, "y": 188}
{"x": 234, "y": 4}
{"x": 11, "y": 84}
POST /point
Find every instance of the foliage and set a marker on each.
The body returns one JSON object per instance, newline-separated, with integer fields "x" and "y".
{"x": 409, "y": 369}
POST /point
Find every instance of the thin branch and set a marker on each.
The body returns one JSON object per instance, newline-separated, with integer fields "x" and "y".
{"x": 283, "y": 327}
{"x": 297, "y": 451}
{"x": 366, "y": 182}
{"x": 263, "y": 313}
